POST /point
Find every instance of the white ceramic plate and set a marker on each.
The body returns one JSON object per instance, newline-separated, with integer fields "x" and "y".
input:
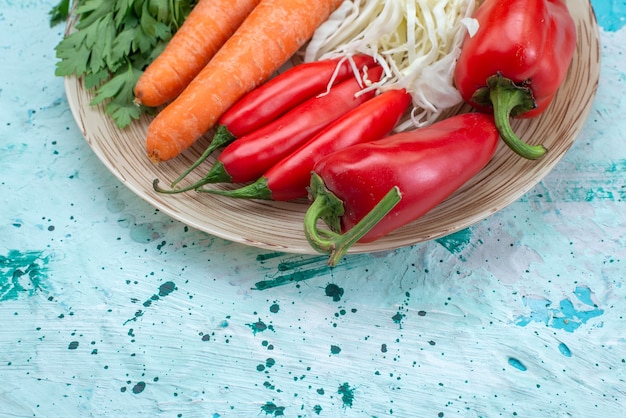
{"x": 278, "y": 225}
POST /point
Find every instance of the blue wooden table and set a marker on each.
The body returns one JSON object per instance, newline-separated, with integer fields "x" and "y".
{"x": 110, "y": 308}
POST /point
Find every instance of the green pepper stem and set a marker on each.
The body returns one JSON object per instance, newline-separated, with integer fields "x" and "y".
{"x": 256, "y": 190}
{"x": 217, "y": 174}
{"x": 158, "y": 189}
{"x": 221, "y": 138}
{"x": 327, "y": 206}
{"x": 509, "y": 99}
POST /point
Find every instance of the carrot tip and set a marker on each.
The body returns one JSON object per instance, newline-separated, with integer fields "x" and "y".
{"x": 154, "y": 157}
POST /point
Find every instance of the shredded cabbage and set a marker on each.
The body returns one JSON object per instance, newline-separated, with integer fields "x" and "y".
{"x": 417, "y": 42}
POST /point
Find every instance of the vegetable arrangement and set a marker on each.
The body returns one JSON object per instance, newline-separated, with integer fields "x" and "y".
{"x": 275, "y": 98}
{"x": 417, "y": 42}
{"x": 208, "y": 26}
{"x": 288, "y": 179}
{"x": 357, "y": 125}
{"x": 250, "y": 156}
{"x": 267, "y": 38}
{"x": 112, "y": 42}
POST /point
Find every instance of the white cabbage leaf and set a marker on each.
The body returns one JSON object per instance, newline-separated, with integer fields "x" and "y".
{"x": 417, "y": 42}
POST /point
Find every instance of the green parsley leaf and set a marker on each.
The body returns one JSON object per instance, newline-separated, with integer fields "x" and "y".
{"x": 93, "y": 80}
{"x": 123, "y": 42}
{"x": 92, "y": 10}
{"x": 123, "y": 8}
{"x": 118, "y": 93}
{"x": 59, "y": 13}
{"x": 160, "y": 9}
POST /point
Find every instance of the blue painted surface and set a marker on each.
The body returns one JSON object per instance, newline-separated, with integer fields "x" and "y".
{"x": 517, "y": 364}
{"x": 611, "y": 14}
{"x": 564, "y": 349}
{"x": 109, "y": 308}
{"x": 566, "y": 316}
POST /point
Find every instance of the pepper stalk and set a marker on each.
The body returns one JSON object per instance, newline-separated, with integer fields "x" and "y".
{"x": 509, "y": 99}
{"x": 329, "y": 208}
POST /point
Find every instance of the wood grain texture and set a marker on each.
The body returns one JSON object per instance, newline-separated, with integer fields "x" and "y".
{"x": 278, "y": 225}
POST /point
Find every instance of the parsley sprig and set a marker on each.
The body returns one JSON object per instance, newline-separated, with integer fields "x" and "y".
{"x": 111, "y": 43}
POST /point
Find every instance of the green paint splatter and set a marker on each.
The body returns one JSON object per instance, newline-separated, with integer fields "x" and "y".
{"x": 456, "y": 242}
{"x": 298, "y": 268}
{"x": 335, "y": 349}
{"x": 334, "y": 291}
{"x": 148, "y": 302}
{"x": 164, "y": 290}
{"x": 317, "y": 409}
{"x": 299, "y": 262}
{"x": 275, "y": 308}
{"x": 294, "y": 277}
{"x": 347, "y": 394}
{"x": 139, "y": 387}
{"x": 22, "y": 274}
{"x": 270, "y": 408}
{"x": 398, "y": 317}
{"x": 264, "y": 257}
{"x": 260, "y": 326}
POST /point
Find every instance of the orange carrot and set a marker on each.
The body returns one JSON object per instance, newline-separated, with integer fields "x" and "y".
{"x": 269, "y": 36}
{"x": 208, "y": 26}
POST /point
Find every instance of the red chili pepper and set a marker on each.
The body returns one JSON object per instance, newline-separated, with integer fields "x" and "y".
{"x": 277, "y": 96}
{"x": 247, "y": 158}
{"x": 287, "y": 90}
{"x": 368, "y": 190}
{"x": 289, "y": 178}
{"x": 516, "y": 61}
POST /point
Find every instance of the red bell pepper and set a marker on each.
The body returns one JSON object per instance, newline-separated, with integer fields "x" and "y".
{"x": 516, "y": 61}
{"x": 247, "y": 158}
{"x": 367, "y": 190}
{"x": 277, "y": 96}
{"x": 289, "y": 178}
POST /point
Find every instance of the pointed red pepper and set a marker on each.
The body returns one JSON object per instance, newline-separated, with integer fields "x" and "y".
{"x": 366, "y": 191}
{"x": 278, "y": 96}
{"x": 516, "y": 61}
{"x": 288, "y": 179}
{"x": 287, "y": 90}
{"x": 247, "y": 158}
